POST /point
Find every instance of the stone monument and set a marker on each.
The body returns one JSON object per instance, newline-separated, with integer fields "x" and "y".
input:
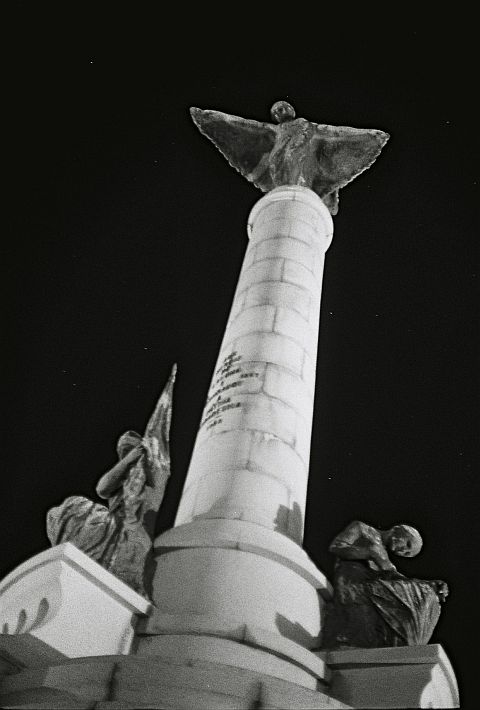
{"x": 238, "y": 609}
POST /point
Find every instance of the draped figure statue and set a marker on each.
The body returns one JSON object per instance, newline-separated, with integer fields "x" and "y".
{"x": 120, "y": 536}
{"x": 373, "y": 604}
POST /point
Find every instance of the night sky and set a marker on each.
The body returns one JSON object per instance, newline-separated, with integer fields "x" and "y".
{"x": 128, "y": 235}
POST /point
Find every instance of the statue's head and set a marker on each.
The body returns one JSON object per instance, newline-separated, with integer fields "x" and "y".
{"x": 127, "y": 442}
{"x": 282, "y": 111}
{"x": 405, "y": 541}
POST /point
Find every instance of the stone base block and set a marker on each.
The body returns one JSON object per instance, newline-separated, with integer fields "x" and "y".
{"x": 400, "y": 677}
{"x": 252, "y": 649}
{"x": 248, "y": 537}
{"x": 238, "y": 589}
{"x": 63, "y": 601}
{"x": 151, "y": 682}
{"x": 190, "y": 649}
{"x": 252, "y": 585}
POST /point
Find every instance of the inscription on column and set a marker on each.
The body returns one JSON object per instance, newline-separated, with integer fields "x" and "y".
{"x": 228, "y": 375}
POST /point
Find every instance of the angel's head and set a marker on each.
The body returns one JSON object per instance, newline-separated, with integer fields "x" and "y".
{"x": 282, "y": 111}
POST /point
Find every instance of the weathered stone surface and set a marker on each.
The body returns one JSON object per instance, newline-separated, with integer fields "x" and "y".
{"x": 402, "y": 677}
{"x": 239, "y": 587}
{"x": 220, "y": 491}
{"x": 63, "y": 603}
{"x": 154, "y": 682}
{"x": 250, "y": 460}
{"x": 268, "y": 269}
{"x": 294, "y": 152}
{"x": 120, "y": 537}
{"x": 296, "y": 298}
{"x": 300, "y": 275}
{"x": 285, "y": 247}
{"x": 186, "y": 675}
{"x": 290, "y": 323}
{"x": 226, "y": 652}
{"x": 309, "y": 368}
{"x": 19, "y": 651}
{"x": 82, "y": 680}
{"x": 271, "y": 347}
{"x": 235, "y": 534}
{"x": 249, "y": 648}
{"x": 255, "y": 318}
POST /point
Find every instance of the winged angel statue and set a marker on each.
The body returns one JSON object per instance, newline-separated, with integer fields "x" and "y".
{"x": 294, "y": 152}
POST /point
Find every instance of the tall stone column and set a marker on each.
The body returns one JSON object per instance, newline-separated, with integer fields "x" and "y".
{"x": 233, "y": 564}
{"x": 250, "y": 460}
{"x": 231, "y": 578}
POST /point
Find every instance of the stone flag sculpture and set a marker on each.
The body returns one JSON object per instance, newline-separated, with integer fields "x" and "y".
{"x": 119, "y": 537}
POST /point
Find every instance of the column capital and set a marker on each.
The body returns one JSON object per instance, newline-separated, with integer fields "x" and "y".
{"x": 300, "y": 195}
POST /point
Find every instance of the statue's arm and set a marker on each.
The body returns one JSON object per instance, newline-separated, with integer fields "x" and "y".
{"x": 345, "y": 543}
{"x": 360, "y": 541}
{"x": 111, "y": 480}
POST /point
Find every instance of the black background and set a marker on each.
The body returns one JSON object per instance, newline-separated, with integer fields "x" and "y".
{"x": 127, "y": 238}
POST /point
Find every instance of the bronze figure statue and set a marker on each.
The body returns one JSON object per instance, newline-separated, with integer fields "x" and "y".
{"x": 294, "y": 152}
{"x": 373, "y": 604}
{"x": 119, "y": 537}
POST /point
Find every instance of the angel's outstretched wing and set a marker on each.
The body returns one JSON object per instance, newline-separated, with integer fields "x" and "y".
{"x": 245, "y": 143}
{"x": 342, "y": 153}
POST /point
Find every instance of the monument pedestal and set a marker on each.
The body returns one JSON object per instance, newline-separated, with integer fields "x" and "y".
{"x": 400, "y": 677}
{"x": 238, "y": 606}
{"x": 62, "y": 603}
{"x": 192, "y": 667}
{"x": 69, "y": 626}
{"x": 233, "y": 566}
{"x": 123, "y": 682}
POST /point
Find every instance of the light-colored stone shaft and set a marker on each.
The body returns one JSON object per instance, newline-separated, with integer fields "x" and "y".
{"x": 251, "y": 457}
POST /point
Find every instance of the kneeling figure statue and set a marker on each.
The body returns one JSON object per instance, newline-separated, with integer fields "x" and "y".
{"x": 373, "y": 604}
